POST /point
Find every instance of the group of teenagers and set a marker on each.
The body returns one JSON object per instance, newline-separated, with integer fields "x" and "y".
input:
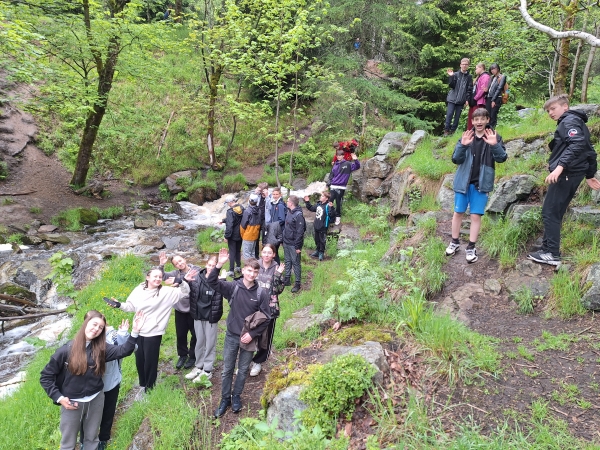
{"x": 84, "y": 375}
{"x": 487, "y": 90}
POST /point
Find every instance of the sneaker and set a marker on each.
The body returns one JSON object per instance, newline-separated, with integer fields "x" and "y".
{"x": 544, "y": 258}
{"x": 140, "y": 396}
{"x": 471, "y": 255}
{"x": 229, "y": 274}
{"x": 338, "y": 220}
{"x": 101, "y": 445}
{"x": 180, "y": 362}
{"x": 237, "y": 272}
{"x": 193, "y": 374}
{"x": 202, "y": 373}
{"x": 320, "y": 256}
{"x": 223, "y": 406}
{"x": 314, "y": 255}
{"x": 287, "y": 282}
{"x": 452, "y": 248}
{"x": 236, "y": 406}
{"x": 191, "y": 362}
{"x": 296, "y": 288}
{"x": 255, "y": 370}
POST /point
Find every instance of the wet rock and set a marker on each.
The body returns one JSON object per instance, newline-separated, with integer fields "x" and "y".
{"x": 15, "y": 290}
{"x": 303, "y": 319}
{"x": 591, "y": 298}
{"x": 371, "y": 351}
{"x": 171, "y": 180}
{"x": 203, "y": 195}
{"x": 509, "y": 191}
{"x": 47, "y": 229}
{"x": 144, "y": 222}
{"x": 391, "y": 141}
{"x": 55, "y": 238}
{"x": 88, "y": 216}
{"x": 94, "y": 230}
{"x": 586, "y": 214}
{"x": 284, "y": 406}
{"x": 492, "y": 286}
{"x": 31, "y": 239}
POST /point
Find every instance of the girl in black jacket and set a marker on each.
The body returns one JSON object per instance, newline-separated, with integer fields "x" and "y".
{"x": 73, "y": 378}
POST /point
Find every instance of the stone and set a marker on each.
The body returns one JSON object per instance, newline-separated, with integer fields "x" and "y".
{"x": 391, "y": 141}
{"x": 400, "y": 185}
{"x": 303, "y": 319}
{"x": 514, "y": 281}
{"x": 459, "y": 302}
{"x": 492, "y": 286}
{"x": 509, "y": 191}
{"x": 171, "y": 180}
{"x": 374, "y": 168}
{"x": 445, "y": 196}
{"x": 172, "y": 242}
{"x": 414, "y": 140}
{"x": 31, "y": 239}
{"x": 47, "y": 229}
{"x": 516, "y": 211}
{"x": 591, "y": 298}
{"x": 348, "y": 237}
{"x": 514, "y": 148}
{"x": 371, "y": 188}
{"x": 17, "y": 291}
{"x": 525, "y": 112}
{"x": 589, "y": 109}
{"x": 55, "y": 238}
{"x": 299, "y": 184}
{"x": 88, "y": 216}
{"x": 586, "y": 214}
{"x": 529, "y": 268}
{"x": 371, "y": 351}
{"x": 144, "y": 222}
{"x": 202, "y": 195}
{"x": 94, "y": 230}
{"x": 284, "y": 406}
{"x": 153, "y": 241}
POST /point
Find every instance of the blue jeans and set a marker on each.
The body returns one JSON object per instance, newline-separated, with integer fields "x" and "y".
{"x": 453, "y": 111}
{"x": 230, "y": 355}
{"x": 292, "y": 259}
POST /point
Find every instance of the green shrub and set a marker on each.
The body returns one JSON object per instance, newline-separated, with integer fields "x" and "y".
{"x": 524, "y": 299}
{"x": 566, "y": 293}
{"x": 3, "y": 170}
{"x": 112, "y": 212}
{"x": 234, "y": 183}
{"x": 74, "y": 219}
{"x": 210, "y": 240}
{"x": 333, "y": 390}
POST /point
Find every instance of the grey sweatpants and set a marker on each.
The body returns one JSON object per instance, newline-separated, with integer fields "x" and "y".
{"x": 206, "y": 344}
{"x": 88, "y": 415}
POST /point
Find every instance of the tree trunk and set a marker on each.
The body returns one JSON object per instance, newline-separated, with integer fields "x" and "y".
{"x": 178, "y": 9}
{"x": 560, "y": 78}
{"x": 213, "y": 87}
{"x": 576, "y": 62}
{"x": 586, "y": 71}
{"x": 295, "y": 120}
{"x": 277, "y": 137}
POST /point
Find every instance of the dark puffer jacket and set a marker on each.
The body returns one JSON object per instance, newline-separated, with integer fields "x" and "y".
{"x": 293, "y": 233}
{"x": 571, "y": 147}
{"x": 461, "y": 85}
{"x": 232, "y": 223}
{"x": 205, "y": 303}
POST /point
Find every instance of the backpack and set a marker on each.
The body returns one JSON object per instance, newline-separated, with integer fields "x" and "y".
{"x": 505, "y": 94}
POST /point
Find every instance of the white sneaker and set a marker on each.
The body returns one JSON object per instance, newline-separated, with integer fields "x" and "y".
{"x": 193, "y": 374}
{"x": 338, "y": 220}
{"x": 452, "y": 248}
{"x": 202, "y": 373}
{"x": 255, "y": 370}
{"x": 471, "y": 255}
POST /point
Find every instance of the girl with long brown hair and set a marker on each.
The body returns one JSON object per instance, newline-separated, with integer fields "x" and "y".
{"x": 73, "y": 378}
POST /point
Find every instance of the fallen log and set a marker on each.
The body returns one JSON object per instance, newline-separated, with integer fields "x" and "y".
{"x": 17, "y": 193}
{"x": 33, "y": 316}
{"x": 13, "y": 299}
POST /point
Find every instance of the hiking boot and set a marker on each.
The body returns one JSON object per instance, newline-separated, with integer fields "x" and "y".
{"x": 191, "y": 362}
{"x": 236, "y": 407}
{"x": 287, "y": 282}
{"x": 452, "y": 248}
{"x": 296, "y": 288}
{"x": 314, "y": 255}
{"x": 255, "y": 369}
{"x": 544, "y": 258}
{"x": 320, "y": 256}
{"x": 180, "y": 362}
{"x": 338, "y": 220}
{"x": 471, "y": 255}
{"x": 193, "y": 374}
{"x": 202, "y": 373}
{"x": 223, "y": 406}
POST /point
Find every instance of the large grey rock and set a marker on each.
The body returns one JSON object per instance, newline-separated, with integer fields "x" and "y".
{"x": 415, "y": 139}
{"x": 591, "y": 299}
{"x": 516, "y": 212}
{"x": 47, "y": 228}
{"x": 525, "y": 112}
{"x": 391, "y": 141}
{"x": 596, "y": 194}
{"x": 171, "y": 180}
{"x": 284, "y": 406}
{"x": 529, "y": 268}
{"x": 586, "y": 214}
{"x": 144, "y": 222}
{"x": 400, "y": 184}
{"x": 589, "y": 109}
{"x": 509, "y": 191}
{"x": 371, "y": 351}
{"x": 374, "y": 168}
{"x": 515, "y": 280}
{"x": 519, "y": 148}
{"x": 459, "y": 302}
{"x": 55, "y": 237}
{"x": 16, "y": 290}
{"x": 445, "y": 195}
{"x": 303, "y": 319}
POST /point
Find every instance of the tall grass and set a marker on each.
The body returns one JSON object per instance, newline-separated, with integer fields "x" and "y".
{"x": 565, "y": 294}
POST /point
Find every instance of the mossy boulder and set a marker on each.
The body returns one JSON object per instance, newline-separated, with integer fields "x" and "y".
{"x": 88, "y": 216}
{"x": 17, "y": 291}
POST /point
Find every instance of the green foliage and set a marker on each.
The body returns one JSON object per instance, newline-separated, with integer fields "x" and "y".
{"x": 234, "y": 183}
{"x": 3, "y": 170}
{"x": 112, "y": 212}
{"x": 525, "y": 300}
{"x": 210, "y": 240}
{"x": 17, "y": 238}
{"x": 425, "y": 165}
{"x": 8, "y": 201}
{"x": 62, "y": 268}
{"x": 333, "y": 390}
{"x": 74, "y": 219}
{"x": 565, "y": 294}
{"x": 35, "y": 210}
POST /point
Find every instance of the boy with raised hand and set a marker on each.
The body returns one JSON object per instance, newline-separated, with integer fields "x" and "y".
{"x": 340, "y": 174}
{"x": 476, "y": 153}
{"x": 324, "y": 215}
{"x": 572, "y": 159}
{"x": 245, "y": 299}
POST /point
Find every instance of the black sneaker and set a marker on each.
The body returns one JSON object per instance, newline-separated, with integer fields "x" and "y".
{"x": 223, "y": 406}
{"x": 180, "y": 362}
{"x": 287, "y": 282}
{"x": 314, "y": 255}
{"x": 544, "y": 258}
{"x": 320, "y": 256}
{"x": 236, "y": 407}
{"x": 191, "y": 362}
{"x": 296, "y": 288}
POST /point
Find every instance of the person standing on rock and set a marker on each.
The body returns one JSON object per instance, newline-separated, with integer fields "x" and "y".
{"x": 293, "y": 241}
{"x": 461, "y": 90}
{"x": 275, "y": 212}
{"x": 572, "y": 159}
{"x": 262, "y": 190}
{"x": 339, "y": 177}
{"x": 250, "y": 226}
{"x": 233, "y": 237}
{"x": 184, "y": 322}
{"x": 494, "y": 95}
{"x": 480, "y": 88}
{"x": 246, "y": 298}
{"x": 324, "y": 215}
{"x": 476, "y": 153}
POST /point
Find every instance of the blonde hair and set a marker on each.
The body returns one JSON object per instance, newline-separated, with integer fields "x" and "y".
{"x": 562, "y": 99}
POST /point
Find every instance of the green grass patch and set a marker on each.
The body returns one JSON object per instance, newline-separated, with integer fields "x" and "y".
{"x": 565, "y": 294}
{"x": 210, "y": 240}
{"x": 424, "y": 164}
{"x": 550, "y": 341}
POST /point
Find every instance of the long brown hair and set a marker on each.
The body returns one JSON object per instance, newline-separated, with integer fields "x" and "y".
{"x": 145, "y": 283}
{"x": 78, "y": 361}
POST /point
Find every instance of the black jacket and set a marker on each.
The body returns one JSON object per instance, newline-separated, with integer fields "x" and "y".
{"x": 205, "y": 303}
{"x": 324, "y": 215}
{"x": 244, "y": 304}
{"x": 58, "y": 381}
{"x": 496, "y": 88}
{"x": 461, "y": 85}
{"x": 571, "y": 147}
{"x": 293, "y": 233}
{"x": 232, "y": 223}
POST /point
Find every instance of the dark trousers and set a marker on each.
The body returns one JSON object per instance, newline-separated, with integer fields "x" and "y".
{"x": 321, "y": 240}
{"x": 493, "y": 111}
{"x": 292, "y": 260}
{"x": 235, "y": 254}
{"x": 337, "y": 197}
{"x": 556, "y": 202}
{"x": 184, "y": 324}
{"x": 146, "y": 360}
{"x": 263, "y": 353}
{"x": 453, "y": 116}
{"x": 108, "y": 414}
{"x": 231, "y": 348}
